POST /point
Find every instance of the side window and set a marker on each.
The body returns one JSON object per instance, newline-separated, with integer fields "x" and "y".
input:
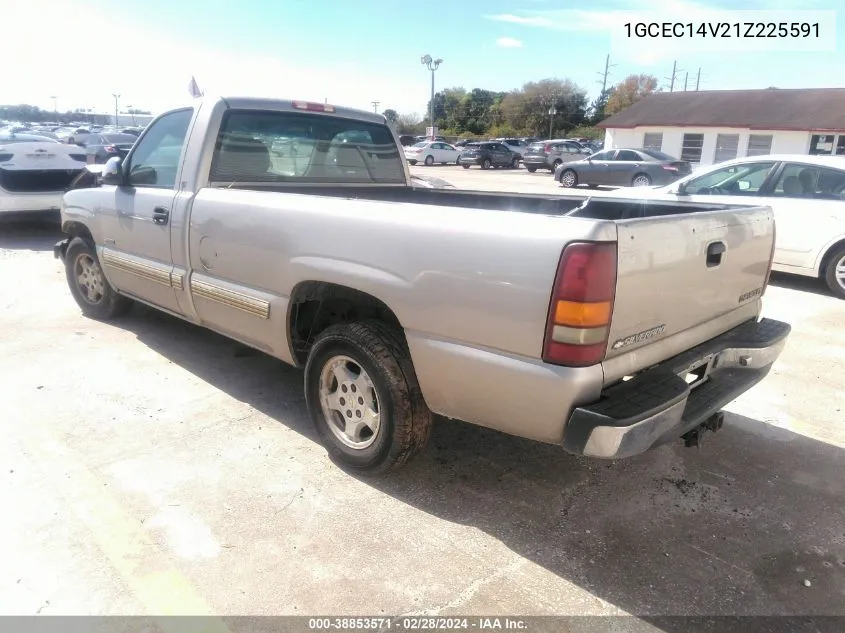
{"x": 283, "y": 147}
{"x": 809, "y": 181}
{"x": 734, "y": 180}
{"x": 628, "y": 155}
{"x": 608, "y": 155}
{"x": 155, "y": 159}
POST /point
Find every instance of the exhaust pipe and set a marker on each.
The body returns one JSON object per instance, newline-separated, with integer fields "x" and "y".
{"x": 713, "y": 423}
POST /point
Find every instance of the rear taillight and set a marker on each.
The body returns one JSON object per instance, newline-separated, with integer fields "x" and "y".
{"x": 582, "y": 305}
{"x": 771, "y": 258}
{"x": 670, "y": 168}
{"x": 110, "y": 149}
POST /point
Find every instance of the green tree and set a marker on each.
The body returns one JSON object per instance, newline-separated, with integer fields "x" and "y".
{"x": 629, "y": 91}
{"x": 527, "y": 109}
{"x": 410, "y": 124}
{"x": 596, "y": 112}
{"x": 391, "y": 115}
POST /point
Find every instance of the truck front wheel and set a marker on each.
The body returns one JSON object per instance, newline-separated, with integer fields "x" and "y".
{"x": 89, "y": 286}
{"x": 363, "y": 397}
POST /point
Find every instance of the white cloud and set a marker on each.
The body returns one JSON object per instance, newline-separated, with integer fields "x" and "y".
{"x": 524, "y": 21}
{"x": 155, "y": 76}
{"x": 509, "y": 42}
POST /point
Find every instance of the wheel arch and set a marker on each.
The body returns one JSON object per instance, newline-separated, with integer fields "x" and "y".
{"x": 316, "y": 305}
{"x": 826, "y": 253}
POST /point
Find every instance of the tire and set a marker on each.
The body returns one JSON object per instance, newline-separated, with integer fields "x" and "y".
{"x": 485, "y": 164}
{"x": 568, "y": 178}
{"x": 834, "y": 272}
{"x": 515, "y": 163}
{"x": 465, "y": 166}
{"x": 95, "y": 297}
{"x": 641, "y": 180}
{"x": 387, "y": 384}
{"x": 413, "y": 162}
{"x": 429, "y": 161}
{"x": 531, "y": 170}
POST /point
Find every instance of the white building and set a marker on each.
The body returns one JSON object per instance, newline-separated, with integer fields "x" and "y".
{"x": 706, "y": 127}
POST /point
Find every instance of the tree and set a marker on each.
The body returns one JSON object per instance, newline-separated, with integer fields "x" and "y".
{"x": 596, "y": 113}
{"x": 409, "y": 124}
{"x": 629, "y": 91}
{"x": 527, "y": 109}
{"x": 391, "y": 115}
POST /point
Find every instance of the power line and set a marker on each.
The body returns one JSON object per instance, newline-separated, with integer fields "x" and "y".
{"x": 375, "y": 106}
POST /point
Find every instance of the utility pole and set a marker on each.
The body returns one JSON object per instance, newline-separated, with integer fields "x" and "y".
{"x": 605, "y": 74}
{"x": 116, "y": 99}
{"x": 675, "y": 71}
{"x": 698, "y": 79}
{"x": 55, "y": 104}
{"x": 375, "y": 106}
{"x": 686, "y": 77}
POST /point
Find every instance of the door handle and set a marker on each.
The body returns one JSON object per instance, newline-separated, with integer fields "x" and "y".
{"x": 714, "y": 254}
{"x": 160, "y": 215}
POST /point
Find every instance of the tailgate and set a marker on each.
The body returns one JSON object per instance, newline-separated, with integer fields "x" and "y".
{"x": 681, "y": 271}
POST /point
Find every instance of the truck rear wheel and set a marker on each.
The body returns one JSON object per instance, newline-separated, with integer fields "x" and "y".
{"x": 89, "y": 286}
{"x": 363, "y": 397}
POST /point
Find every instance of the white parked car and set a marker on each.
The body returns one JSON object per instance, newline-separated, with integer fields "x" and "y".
{"x": 806, "y": 193}
{"x": 35, "y": 172}
{"x": 430, "y": 152}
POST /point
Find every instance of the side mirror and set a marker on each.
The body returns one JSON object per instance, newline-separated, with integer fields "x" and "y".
{"x": 112, "y": 172}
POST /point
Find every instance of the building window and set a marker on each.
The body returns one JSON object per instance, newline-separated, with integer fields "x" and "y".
{"x": 691, "y": 147}
{"x": 653, "y": 141}
{"x": 821, "y": 144}
{"x": 759, "y": 144}
{"x": 726, "y": 147}
{"x": 840, "y": 145}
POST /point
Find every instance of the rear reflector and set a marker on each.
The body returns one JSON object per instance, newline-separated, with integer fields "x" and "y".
{"x": 312, "y": 107}
{"x": 582, "y": 305}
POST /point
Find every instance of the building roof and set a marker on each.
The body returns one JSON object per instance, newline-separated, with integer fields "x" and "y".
{"x": 820, "y": 109}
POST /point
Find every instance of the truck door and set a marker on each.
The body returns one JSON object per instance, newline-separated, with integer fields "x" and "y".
{"x": 135, "y": 254}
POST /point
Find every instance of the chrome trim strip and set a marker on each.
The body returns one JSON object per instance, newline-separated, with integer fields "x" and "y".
{"x": 149, "y": 272}
{"x": 177, "y": 280}
{"x": 212, "y": 292}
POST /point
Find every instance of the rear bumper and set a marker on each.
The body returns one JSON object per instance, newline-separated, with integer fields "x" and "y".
{"x": 658, "y": 405}
{"x": 535, "y": 161}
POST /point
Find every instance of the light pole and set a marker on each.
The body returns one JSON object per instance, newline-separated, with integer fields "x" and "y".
{"x": 116, "y": 98}
{"x": 432, "y": 65}
{"x": 552, "y": 113}
{"x": 55, "y": 104}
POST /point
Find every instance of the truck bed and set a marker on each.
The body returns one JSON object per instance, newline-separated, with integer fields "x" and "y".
{"x": 557, "y": 205}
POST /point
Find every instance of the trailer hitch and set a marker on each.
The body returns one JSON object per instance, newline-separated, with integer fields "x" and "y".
{"x": 713, "y": 424}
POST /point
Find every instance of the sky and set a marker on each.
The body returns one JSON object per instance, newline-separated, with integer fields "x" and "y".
{"x": 353, "y": 52}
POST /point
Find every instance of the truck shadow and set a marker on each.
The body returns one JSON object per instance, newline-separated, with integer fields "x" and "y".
{"x": 736, "y": 527}
{"x": 35, "y": 232}
{"x": 800, "y": 283}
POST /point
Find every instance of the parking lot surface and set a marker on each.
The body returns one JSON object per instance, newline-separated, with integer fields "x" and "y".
{"x": 150, "y": 466}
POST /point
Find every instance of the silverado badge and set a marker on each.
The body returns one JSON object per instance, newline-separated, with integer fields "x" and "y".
{"x": 639, "y": 337}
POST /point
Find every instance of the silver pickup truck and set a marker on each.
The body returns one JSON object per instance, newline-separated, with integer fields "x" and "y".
{"x": 604, "y": 326}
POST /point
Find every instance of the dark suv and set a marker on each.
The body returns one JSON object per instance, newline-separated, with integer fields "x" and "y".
{"x": 550, "y": 154}
{"x": 488, "y": 154}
